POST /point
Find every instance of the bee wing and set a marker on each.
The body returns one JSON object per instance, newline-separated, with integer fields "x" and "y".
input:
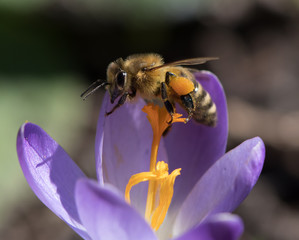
{"x": 185, "y": 62}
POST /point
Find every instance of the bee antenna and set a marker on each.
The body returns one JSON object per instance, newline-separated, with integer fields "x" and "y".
{"x": 93, "y": 87}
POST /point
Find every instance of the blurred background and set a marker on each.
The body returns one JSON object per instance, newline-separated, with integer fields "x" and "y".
{"x": 51, "y": 50}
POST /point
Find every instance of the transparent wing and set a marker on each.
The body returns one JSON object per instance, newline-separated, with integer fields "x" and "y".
{"x": 185, "y": 62}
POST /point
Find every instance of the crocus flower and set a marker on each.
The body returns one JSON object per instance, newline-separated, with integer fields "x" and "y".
{"x": 211, "y": 185}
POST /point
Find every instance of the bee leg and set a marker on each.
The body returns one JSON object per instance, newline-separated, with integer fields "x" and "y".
{"x": 167, "y": 80}
{"x": 121, "y": 101}
{"x": 190, "y": 114}
{"x": 187, "y": 101}
{"x": 133, "y": 93}
{"x": 166, "y": 131}
{"x": 169, "y": 109}
{"x": 167, "y": 103}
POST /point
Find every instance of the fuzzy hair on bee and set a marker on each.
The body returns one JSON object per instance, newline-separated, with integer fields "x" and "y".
{"x": 147, "y": 76}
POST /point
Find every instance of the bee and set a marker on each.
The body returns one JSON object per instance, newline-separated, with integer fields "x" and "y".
{"x": 147, "y": 76}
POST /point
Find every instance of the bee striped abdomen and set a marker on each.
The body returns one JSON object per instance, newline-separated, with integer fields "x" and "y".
{"x": 205, "y": 111}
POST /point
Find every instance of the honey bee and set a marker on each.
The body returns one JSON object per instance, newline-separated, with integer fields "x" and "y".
{"x": 147, "y": 76}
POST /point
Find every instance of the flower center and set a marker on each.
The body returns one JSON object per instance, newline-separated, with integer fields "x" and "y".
{"x": 160, "y": 188}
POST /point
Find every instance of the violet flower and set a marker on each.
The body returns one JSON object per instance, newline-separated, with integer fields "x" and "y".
{"x": 212, "y": 184}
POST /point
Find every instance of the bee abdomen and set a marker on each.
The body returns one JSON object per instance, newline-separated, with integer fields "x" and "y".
{"x": 205, "y": 111}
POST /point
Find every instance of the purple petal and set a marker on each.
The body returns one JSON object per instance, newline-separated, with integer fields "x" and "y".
{"x": 51, "y": 173}
{"x": 123, "y": 144}
{"x": 106, "y": 215}
{"x": 224, "y": 186}
{"x": 99, "y": 141}
{"x": 195, "y": 147}
{"x": 217, "y": 227}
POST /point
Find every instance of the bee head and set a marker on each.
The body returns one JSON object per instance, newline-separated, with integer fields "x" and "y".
{"x": 117, "y": 79}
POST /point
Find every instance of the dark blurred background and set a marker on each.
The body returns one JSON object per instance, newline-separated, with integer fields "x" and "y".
{"x": 51, "y": 50}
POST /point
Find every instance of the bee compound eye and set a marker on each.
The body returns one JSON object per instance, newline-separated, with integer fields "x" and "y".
{"x": 121, "y": 78}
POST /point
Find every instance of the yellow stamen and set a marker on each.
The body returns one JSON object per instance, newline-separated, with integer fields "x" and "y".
{"x": 160, "y": 186}
{"x": 166, "y": 194}
{"x": 164, "y": 182}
